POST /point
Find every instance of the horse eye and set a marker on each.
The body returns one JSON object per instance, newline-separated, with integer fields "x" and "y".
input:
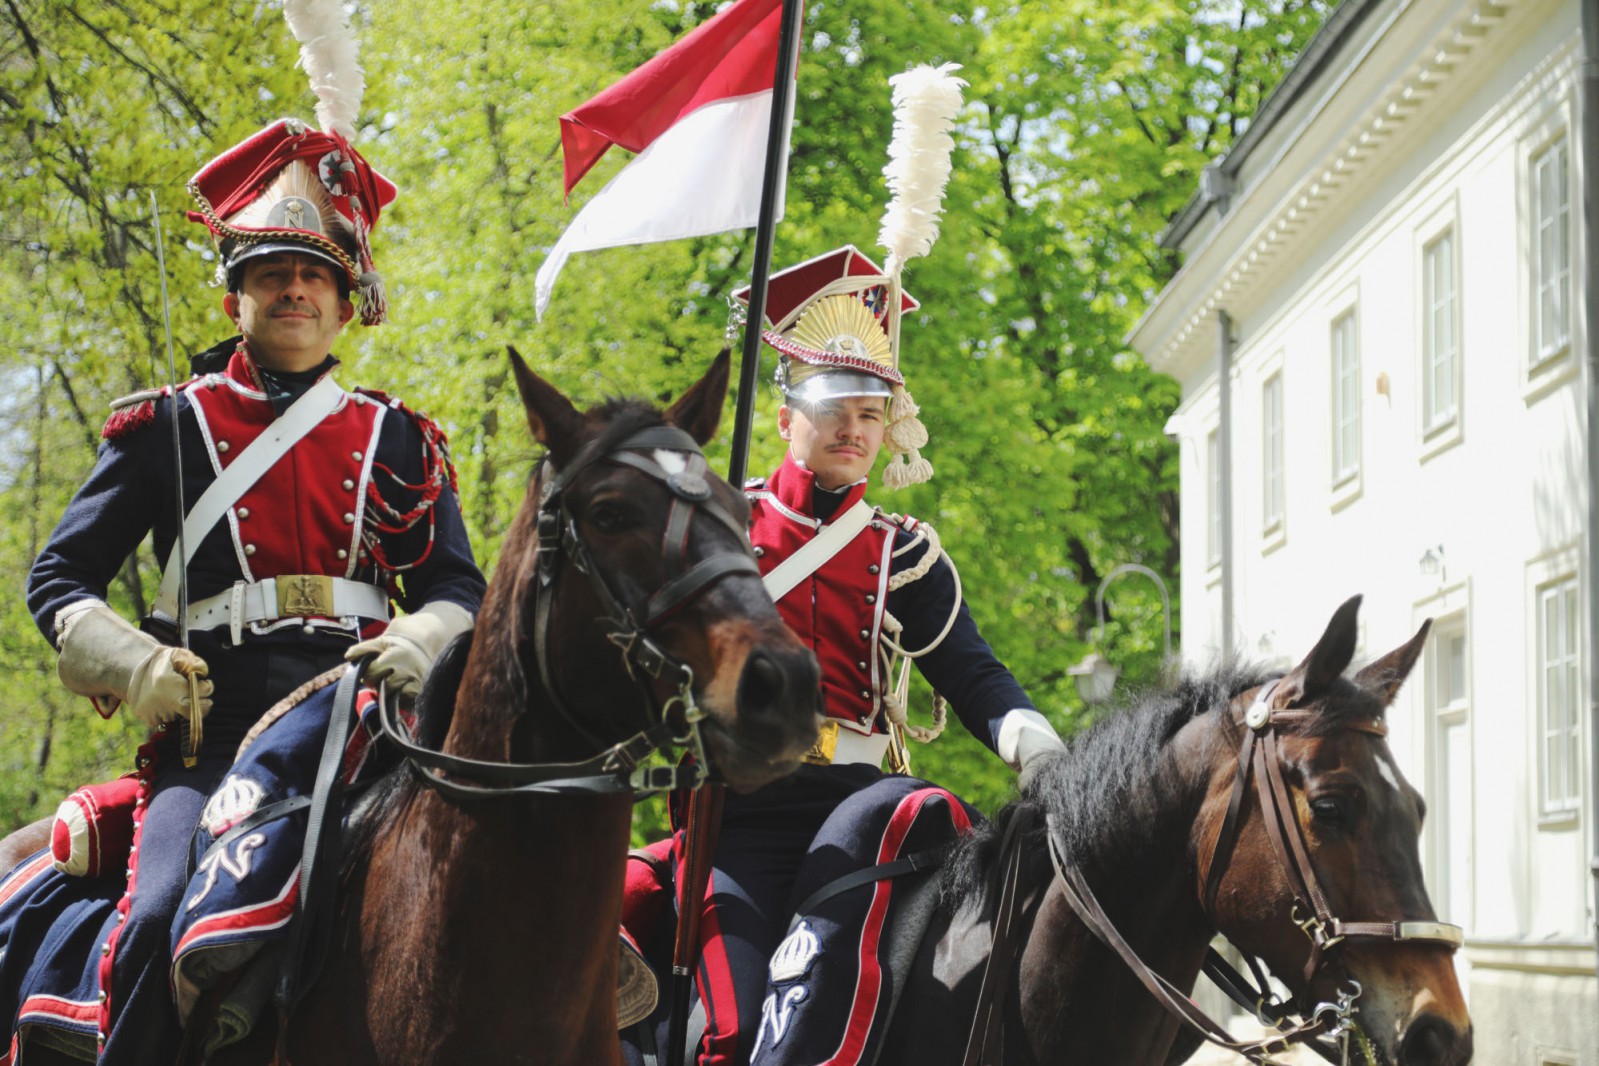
{"x": 611, "y": 518}
{"x": 1328, "y": 811}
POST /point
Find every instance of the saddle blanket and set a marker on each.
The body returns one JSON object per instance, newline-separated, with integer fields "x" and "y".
{"x": 832, "y": 983}
{"x": 56, "y": 930}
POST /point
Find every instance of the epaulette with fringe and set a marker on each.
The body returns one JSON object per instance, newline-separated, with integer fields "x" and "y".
{"x": 437, "y": 440}
{"x": 133, "y": 412}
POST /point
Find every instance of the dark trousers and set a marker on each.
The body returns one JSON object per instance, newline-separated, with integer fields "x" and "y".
{"x": 144, "y": 1021}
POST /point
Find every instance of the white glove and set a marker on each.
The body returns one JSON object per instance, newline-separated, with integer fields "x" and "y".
{"x": 105, "y": 658}
{"x": 408, "y": 647}
{"x": 1027, "y": 742}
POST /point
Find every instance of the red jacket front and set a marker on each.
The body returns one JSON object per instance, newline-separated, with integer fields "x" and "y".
{"x": 838, "y": 609}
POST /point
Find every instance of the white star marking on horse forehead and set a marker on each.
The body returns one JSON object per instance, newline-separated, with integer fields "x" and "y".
{"x": 670, "y": 461}
{"x": 1386, "y": 768}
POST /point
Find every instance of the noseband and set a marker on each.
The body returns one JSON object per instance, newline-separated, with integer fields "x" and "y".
{"x": 633, "y": 626}
{"x": 1260, "y": 757}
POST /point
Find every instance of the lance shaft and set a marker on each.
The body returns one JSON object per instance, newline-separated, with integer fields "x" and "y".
{"x": 193, "y": 728}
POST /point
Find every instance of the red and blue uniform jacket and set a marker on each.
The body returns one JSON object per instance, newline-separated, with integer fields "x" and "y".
{"x": 368, "y": 495}
{"x": 838, "y": 610}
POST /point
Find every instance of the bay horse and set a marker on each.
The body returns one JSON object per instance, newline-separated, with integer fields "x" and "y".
{"x": 1136, "y": 816}
{"x": 479, "y": 906}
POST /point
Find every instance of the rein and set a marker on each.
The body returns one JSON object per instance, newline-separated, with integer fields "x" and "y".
{"x": 1260, "y": 758}
{"x": 560, "y": 546}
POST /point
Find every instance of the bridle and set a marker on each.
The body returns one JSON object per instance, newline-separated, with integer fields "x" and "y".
{"x": 561, "y": 547}
{"x": 1325, "y": 1027}
{"x": 1260, "y": 758}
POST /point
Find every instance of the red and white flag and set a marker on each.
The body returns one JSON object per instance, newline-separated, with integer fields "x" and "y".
{"x": 697, "y": 115}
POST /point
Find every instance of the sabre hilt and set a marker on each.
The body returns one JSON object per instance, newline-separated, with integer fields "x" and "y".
{"x": 193, "y": 726}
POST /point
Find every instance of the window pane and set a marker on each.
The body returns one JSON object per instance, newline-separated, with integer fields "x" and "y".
{"x": 1559, "y": 630}
{"x": 1457, "y": 668}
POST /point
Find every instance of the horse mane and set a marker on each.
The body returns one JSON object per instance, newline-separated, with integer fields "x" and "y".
{"x": 1107, "y": 793}
{"x": 506, "y": 622}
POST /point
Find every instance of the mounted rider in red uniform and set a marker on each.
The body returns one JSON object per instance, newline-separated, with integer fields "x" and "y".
{"x": 309, "y": 510}
{"x": 794, "y": 965}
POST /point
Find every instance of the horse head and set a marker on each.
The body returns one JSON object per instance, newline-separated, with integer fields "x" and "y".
{"x": 1317, "y": 872}
{"x": 636, "y": 604}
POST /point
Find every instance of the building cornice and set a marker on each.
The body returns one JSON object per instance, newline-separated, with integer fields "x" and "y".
{"x": 1303, "y": 173}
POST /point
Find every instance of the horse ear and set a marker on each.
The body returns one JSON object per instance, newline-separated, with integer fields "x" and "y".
{"x": 699, "y": 410}
{"x": 1388, "y": 673}
{"x": 1326, "y": 662}
{"x": 550, "y": 416}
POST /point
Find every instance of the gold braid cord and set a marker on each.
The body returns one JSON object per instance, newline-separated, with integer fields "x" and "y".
{"x": 896, "y": 659}
{"x": 257, "y": 236}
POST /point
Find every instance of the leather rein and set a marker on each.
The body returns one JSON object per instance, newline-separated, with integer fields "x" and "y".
{"x": 1259, "y": 758}
{"x": 561, "y": 548}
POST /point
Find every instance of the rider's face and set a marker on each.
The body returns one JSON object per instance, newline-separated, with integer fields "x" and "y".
{"x": 289, "y": 308}
{"x": 837, "y": 440}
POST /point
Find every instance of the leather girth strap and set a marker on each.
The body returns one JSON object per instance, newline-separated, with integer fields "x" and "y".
{"x": 986, "y": 1045}
{"x": 312, "y": 927}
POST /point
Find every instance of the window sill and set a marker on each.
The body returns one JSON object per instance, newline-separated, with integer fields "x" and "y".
{"x": 1547, "y": 374}
{"x": 1274, "y": 536}
{"x": 1440, "y": 439}
{"x": 1345, "y": 492}
{"x": 1559, "y": 821}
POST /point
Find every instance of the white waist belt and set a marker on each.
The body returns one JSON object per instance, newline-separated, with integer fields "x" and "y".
{"x": 290, "y": 596}
{"x": 853, "y": 748}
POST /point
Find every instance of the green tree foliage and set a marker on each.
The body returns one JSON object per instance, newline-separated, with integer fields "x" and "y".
{"x": 1086, "y": 125}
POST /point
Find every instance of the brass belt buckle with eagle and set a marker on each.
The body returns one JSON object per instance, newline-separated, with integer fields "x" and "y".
{"x": 821, "y": 753}
{"x": 305, "y": 595}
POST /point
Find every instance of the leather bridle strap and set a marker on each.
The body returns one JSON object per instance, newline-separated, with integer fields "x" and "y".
{"x": 558, "y": 535}
{"x": 606, "y": 773}
{"x": 986, "y": 1044}
{"x": 1173, "y": 999}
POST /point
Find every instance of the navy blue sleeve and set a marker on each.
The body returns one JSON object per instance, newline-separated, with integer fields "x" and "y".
{"x": 104, "y": 523}
{"x": 963, "y": 668}
{"x": 448, "y": 571}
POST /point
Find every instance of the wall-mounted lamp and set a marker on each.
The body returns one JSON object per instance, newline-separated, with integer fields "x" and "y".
{"x": 1431, "y": 562}
{"x": 1095, "y": 678}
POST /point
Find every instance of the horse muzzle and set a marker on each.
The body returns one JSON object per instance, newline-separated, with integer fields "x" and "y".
{"x": 778, "y": 705}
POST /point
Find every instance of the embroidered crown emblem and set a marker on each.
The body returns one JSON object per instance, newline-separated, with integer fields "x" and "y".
{"x": 233, "y": 801}
{"x": 795, "y": 954}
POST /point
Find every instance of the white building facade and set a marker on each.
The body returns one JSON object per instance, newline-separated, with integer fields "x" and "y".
{"x": 1381, "y": 334}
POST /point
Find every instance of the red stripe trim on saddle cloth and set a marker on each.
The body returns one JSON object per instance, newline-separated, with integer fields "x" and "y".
{"x": 262, "y": 916}
{"x": 75, "y": 1013}
{"x": 869, "y": 975}
{"x": 22, "y": 877}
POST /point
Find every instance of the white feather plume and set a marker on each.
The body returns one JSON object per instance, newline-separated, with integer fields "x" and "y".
{"x": 331, "y": 60}
{"x": 927, "y": 100}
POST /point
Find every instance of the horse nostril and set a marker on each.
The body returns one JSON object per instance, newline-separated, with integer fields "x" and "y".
{"x": 1432, "y": 1041}
{"x": 762, "y": 683}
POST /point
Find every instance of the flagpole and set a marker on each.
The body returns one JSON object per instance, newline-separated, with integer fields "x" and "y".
{"x": 703, "y": 819}
{"x": 766, "y": 224}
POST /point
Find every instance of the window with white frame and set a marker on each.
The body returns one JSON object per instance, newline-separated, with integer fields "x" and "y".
{"x": 1213, "y": 498}
{"x": 1271, "y": 421}
{"x": 1559, "y": 753}
{"x": 1345, "y": 399}
{"x": 1449, "y": 799}
{"x": 1551, "y": 250}
{"x": 1440, "y": 343}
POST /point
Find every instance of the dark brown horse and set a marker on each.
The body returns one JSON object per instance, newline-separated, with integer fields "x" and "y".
{"x": 483, "y": 929}
{"x": 1135, "y": 813}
